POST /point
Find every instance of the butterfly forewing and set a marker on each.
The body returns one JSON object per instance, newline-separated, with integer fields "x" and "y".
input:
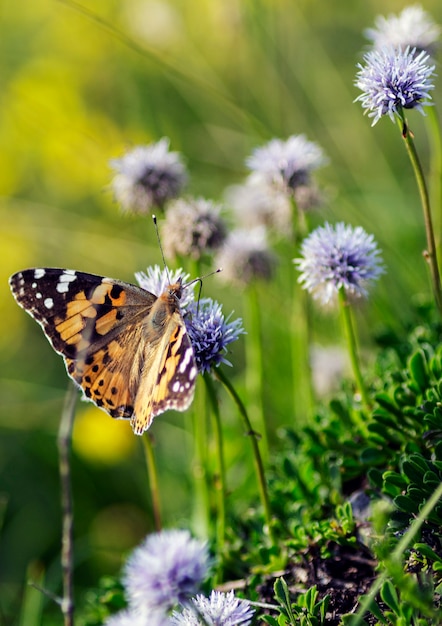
{"x": 127, "y": 349}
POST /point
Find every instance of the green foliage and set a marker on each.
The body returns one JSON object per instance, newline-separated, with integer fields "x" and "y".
{"x": 99, "y": 603}
{"x": 308, "y": 610}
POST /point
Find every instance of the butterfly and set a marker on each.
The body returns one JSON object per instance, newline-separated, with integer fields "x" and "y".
{"x": 126, "y": 348}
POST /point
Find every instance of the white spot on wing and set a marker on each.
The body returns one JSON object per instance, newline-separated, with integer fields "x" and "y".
{"x": 186, "y": 361}
{"x": 193, "y": 372}
{"x": 176, "y": 386}
{"x": 39, "y": 273}
{"x": 49, "y": 303}
{"x": 63, "y": 282}
{"x": 38, "y": 295}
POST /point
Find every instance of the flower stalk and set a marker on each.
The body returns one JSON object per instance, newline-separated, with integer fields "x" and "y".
{"x": 430, "y": 253}
{"x": 67, "y": 541}
{"x": 352, "y": 347}
{"x": 220, "y": 482}
{"x": 259, "y": 466}
{"x": 153, "y": 480}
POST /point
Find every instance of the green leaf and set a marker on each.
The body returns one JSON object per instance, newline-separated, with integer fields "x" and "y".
{"x": 426, "y": 551}
{"x": 373, "y": 456}
{"x": 390, "y": 597}
{"x": 418, "y": 370}
{"x": 404, "y": 503}
{"x": 268, "y": 619}
{"x": 387, "y": 403}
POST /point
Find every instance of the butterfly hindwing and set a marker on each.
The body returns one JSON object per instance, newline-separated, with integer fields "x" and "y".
{"x": 127, "y": 349}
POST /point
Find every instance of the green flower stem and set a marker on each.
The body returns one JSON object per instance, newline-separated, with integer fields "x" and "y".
{"x": 67, "y": 541}
{"x": 301, "y": 331}
{"x": 435, "y": 176}
{"x": 153, "y": 479}
{"x": 352, "y": 347}
{"x": 259, "y": 467}
{"x": 220, "y": 483}
{"x": 254, "y": 360}
{"x": 304, "y": 395}
{"x": 430, "y": 253}
{"x": 403, "y": 545}
{"x": 201, "y": 511}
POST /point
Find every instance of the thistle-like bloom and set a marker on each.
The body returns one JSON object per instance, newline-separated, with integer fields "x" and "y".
{"x": 210, "y": 333}
{"x": 156, "y": 281}
{"x": 147, "y": 177}
{"x": 392, "y": 80}
{"x": 414, "y": 27}
{"x": 221, "y": 609}
{"x": 257, "y": 204}
{"x": 245, "y": 257}
{"x": 192, "y": 228}
{"x": 338, "y": 257}
{"x": 286, "y": 164}
{"x": 167, "y": 569}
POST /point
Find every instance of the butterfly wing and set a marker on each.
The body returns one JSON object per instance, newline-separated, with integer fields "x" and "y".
{"x": 169, "y": 373}
{"x": 92, "y": 322}
{"x": 127, "y": 349}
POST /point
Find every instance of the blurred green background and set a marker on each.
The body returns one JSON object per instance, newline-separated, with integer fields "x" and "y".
{"x": 80, "y": 83}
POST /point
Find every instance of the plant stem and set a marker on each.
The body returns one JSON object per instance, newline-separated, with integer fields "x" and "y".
{"x": 254, "y": 360}
{"x": 67, "y": 539}
{"x": 201, "y": 511}
{"x": 405, "y": 542}
{"x": 430, "y": 253}
{"x": 259, "y": 467}
{"x": 300, "y": 331}
{"x": 220, "y": 483}
{"x": 153, "y": 480}
{"x": 352, "y": 347}
{"x": 435, "y": 176}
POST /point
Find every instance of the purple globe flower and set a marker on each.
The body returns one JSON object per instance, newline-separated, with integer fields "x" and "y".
{"x": 167, "y": 569}
{"x": 147, "y": 177}
{"x": 210, "y": 333}
{"x": 221, "y": 609}
{"x": 156, "y": 280}
{"x": 391, "y": 80}
{"x": 413, "y": 27}
{"x": 338, "y": 257}
{"x": 286, "y": 165}
{"x": 192, "y": 228}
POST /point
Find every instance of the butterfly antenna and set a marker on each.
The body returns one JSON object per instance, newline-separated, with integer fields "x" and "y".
{"x": 154, "y": 219}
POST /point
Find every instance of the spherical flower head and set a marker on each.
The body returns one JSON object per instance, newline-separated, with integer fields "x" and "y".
{"x": 338, "y": 257}
{"x": 192, "y": 228}
{"x": 210, "y": 333}
{"x": 392, "y": 80}
{"x": 286, "y": 164}
{"x": 245, "y": 257}
{"x": 414, "y": 27}
{"x": 167, "y": 569}
{"x": 220, "y": 609}
{"x": 157, "y": 279}
{"x": 257, "y": 204}
{"x": 147, "y": 177}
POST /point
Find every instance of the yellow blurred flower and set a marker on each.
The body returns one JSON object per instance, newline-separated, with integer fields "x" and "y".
{"x": 101, "y": 439}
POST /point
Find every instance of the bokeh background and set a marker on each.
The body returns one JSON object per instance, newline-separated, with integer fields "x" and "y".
{"x": 81, "y": 83}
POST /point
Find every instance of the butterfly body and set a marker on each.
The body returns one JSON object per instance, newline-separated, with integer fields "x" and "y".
{"x": 126, "y": 348}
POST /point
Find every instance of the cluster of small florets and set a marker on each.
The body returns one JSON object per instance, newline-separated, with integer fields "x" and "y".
{"x": 397, "y": 71}
{"x": 395, "y": 77}
{"x": 165, "y": 574}
{"x": 209, "y": 330}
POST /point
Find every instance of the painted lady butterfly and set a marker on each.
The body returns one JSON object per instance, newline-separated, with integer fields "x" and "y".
{"x": 126, "y": 348}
